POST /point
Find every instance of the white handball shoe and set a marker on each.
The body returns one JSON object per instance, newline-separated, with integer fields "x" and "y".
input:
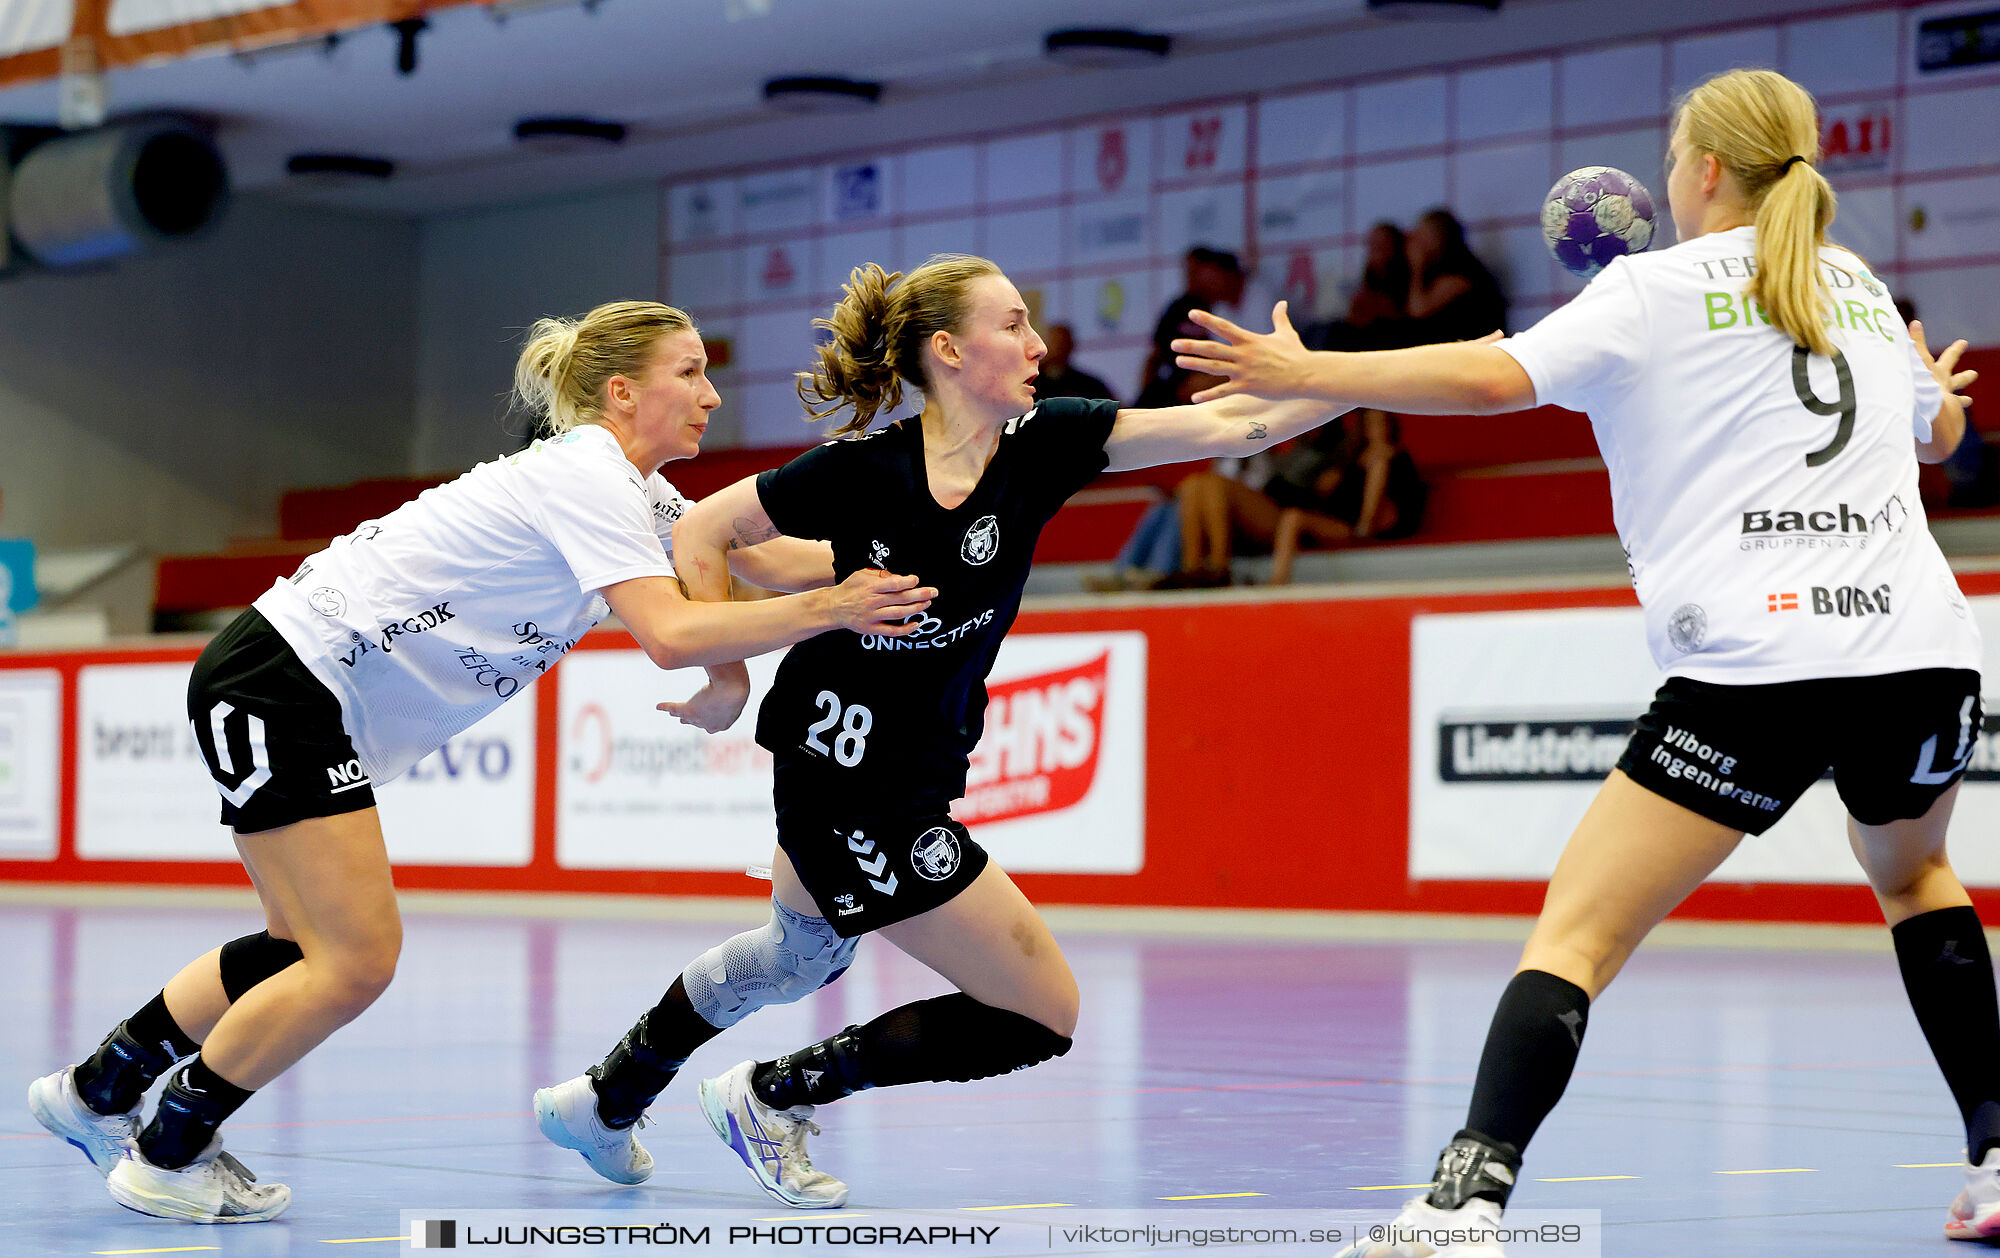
{"x": 214, "y": 1188}
{"x": 567, "y": 1115}
{"x": 54, "y": 1102}
{"x": 1424, "y": 1231}
{"x": 771, "y": 1142}
{"x": 1976, "y": 1214}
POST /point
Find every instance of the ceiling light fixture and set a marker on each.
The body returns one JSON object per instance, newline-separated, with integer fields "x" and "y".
{"x": 1102, "y": 48}
{"x": 340, "y": 164}
{"x": 569, "y": 135}
{"x": 821, "y": 94}
{"x": 1441, "y": 10}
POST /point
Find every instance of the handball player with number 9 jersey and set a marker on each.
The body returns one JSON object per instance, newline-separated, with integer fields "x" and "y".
{"x": 1762, "y": 410}
{"x": 871, "y": 734}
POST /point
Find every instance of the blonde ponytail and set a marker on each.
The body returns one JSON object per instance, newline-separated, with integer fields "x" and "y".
{"x": 1764, "y": 130}
{"x": 879, "y": 330}
{"x": 562, "y": 371}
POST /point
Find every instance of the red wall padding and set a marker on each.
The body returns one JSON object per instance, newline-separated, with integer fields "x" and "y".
{"x": 1277, "y": 772}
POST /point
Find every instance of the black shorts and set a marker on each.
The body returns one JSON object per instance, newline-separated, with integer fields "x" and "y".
{"x": 867, "y": 864}
{"x": 270, "y": 732}
{"x": 1742, "y": 755}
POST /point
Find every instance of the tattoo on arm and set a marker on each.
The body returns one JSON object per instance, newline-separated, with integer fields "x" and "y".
{"x": 1258, "y": 431}
{"x": 749, "y": 534}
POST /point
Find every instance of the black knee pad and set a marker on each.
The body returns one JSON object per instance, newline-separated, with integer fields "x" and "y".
{"x": 250, "y": 960}
{"x": 984, "y": 1040}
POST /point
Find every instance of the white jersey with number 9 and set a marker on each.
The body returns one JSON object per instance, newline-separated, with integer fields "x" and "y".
{"x": 1766, "y": 497}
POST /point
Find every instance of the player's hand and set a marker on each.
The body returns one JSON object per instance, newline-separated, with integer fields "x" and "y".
{"x": 1944, "y": 368}
{"x": 873, "y": 601}
{"x": 1271, "y": 365}
{"x": 716, "y": 706}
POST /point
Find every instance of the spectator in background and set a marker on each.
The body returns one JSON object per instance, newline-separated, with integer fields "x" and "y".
{"x": 1379, "y": 303}
{"x": 1058, "y": 378}
{"x": 1222, "y": 514}
{"x": 1214, "y": 278}
{"x": 1453, "y": 297}
{"x": 1371, "y": 490}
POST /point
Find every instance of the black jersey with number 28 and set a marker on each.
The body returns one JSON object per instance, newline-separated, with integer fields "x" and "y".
{"x": 903, "y": 714}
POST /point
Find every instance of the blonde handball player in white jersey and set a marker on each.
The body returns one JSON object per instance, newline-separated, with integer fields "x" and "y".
{"x": 1762, "y": 411}
{"x": 380, "y": 648}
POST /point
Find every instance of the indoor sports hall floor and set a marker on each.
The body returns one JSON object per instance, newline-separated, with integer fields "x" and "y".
{"x": 1740, "y": 1093}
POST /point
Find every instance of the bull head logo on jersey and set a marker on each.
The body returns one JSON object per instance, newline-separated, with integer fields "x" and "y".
{"x": 982, "y": 540}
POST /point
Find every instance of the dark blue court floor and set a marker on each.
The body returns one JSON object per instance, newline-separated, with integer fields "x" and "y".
{"x": 1730, "y": 1101}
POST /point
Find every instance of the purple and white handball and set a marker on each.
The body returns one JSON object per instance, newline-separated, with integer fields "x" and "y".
{"x": 1595, "y": 216}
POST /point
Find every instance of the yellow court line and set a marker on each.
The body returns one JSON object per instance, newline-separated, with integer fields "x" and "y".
{"x": 793, "y": 1218}
{"x": 1390, "y": 1187}
{"x": 1925, "y": 1166}
{"x": 1592, "y": 1179}
{"x": 363, "y": 1240}
{"x": 1788, "y": 1170}
{"x": 1032, "y": 1205}
{"x": 1212, "y": 1196}
{"x": 177, "y": 1249}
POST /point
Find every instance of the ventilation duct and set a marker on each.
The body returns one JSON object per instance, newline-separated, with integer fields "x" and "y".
{"x": 94, "y": 196}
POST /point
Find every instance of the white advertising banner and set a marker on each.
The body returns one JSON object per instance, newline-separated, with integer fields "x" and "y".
{"x": 472, "y": 801}
{"x": 144, "y": 794}
{"x": 1056, "y": 785}
{"x": 30, "y": 762}
{"x": 1516, "y": 718}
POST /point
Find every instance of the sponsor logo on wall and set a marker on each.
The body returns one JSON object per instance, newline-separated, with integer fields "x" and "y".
{"x": 1542, "y": 749}
{"x": 1040, "y": 749}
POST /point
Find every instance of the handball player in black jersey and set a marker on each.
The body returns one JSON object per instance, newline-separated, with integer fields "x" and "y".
{"x": 871, "y": 734}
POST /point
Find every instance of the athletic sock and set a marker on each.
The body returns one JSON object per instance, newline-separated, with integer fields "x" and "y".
{"x": 139, "y": 1050}
{"x": 1531, "y": 1051}
{"x": 647, "y": 1058}
{"x": 1948, "y": 972}
{"x": 196, "y": 1101}
{"x": 950, "y": 1037}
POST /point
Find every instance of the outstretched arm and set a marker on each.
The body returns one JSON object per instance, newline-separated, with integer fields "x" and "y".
{"x": 1225, "y": 427}
{"x": 1457, "y": 378}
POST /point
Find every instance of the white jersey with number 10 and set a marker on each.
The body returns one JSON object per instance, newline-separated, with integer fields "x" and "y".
{"x": 1766, "y": 497}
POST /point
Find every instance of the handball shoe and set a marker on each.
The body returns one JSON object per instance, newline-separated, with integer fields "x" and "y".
{"x": 771, "y": 1142}
{"x": 567, "y": 1115}
{"x": 54, "y": 1102}
{"x": 1424, "y": 1231}
{"x": 214, "y": 1188}
{"x": 1976, "y": 1213}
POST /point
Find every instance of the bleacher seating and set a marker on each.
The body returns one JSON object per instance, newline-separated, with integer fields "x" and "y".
{"x": 1492, "y": 478}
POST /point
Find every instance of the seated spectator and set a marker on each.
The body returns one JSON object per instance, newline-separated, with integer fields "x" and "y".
{"x": 1058, "y": 378}
{"x": 1214, "y": 278}
{"x": 1150, "y": 557}
{"x": 1222, "y": 516}
{"x": 1378, "y": 303}
{"x": 1371, "y": 490}
{"x": 1453, "y": 297}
